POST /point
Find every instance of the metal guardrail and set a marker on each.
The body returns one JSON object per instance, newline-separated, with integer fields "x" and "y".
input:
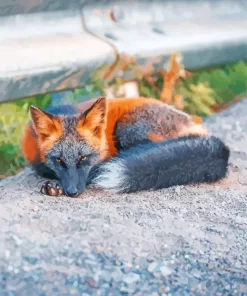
{"x": 53, "y": 45}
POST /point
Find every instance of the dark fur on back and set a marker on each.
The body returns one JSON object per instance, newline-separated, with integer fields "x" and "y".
{"x": 187, "y": 160}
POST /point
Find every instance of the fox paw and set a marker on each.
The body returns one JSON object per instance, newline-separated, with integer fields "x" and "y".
{"x": 51, "y": 188}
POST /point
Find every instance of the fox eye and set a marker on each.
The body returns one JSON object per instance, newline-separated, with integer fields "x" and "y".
{"x": 81, "y": 160}
{"x": 59, "y": 160}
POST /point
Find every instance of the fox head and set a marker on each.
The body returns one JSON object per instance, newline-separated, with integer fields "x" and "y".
{"x": 71, "y": 145}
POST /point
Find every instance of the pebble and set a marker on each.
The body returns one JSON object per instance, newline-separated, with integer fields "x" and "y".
{"x": 152, "y": 266}
{"x": 131, "y": 278}
{"x": 177, "y": 190}
{"x": 165, "y": 271}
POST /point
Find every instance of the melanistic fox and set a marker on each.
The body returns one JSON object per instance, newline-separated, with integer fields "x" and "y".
{"x": 125, "y": 145}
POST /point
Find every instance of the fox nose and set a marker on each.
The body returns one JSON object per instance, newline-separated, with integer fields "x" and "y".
{"x": 71, "y": 191}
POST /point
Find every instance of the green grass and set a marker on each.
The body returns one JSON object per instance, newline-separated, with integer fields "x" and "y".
{"x": 207, "y": 89}
{"x": 14, "y": 116}
{"x": 205, "y": 92}
{"x": 225, "y": 84}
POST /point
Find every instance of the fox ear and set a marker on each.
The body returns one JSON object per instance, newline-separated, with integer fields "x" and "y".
{"x": 45, "y": 124}
{"x": 93, "y": 120}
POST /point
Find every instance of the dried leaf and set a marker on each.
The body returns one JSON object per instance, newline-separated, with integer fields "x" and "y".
{"x": 174, "y": 71}
{"x": 111, "y": 16}
{"x": 196, "y": 119}
{"x": 152, "y": 84}
{"x": 148, "y": 69}
{"x": 178, "y": 102}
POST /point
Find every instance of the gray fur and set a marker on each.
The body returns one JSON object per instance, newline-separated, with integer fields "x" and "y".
{"x": 164, "y": 121}
{"x": 70, "y": 148}
{"x": 133, "y": 134}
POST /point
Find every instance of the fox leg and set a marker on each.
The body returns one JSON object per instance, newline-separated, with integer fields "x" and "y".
{"x": 52, "y": 189}
{"x": 195, "y": 130}
{"x": 154, "y": 123}
{"x": 155, "y": 138}
{"x": 132, "y": 134}
{"x": 142, "y": 132}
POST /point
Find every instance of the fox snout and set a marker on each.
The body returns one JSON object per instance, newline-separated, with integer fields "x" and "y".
{"x": 71, "y": 191}
{"x": 73, "y": 183}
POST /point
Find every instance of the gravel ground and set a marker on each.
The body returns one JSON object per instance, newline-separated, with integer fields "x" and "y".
{"x": 189, "y": 240}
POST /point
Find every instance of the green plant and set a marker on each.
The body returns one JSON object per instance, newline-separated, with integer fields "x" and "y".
{"x": 227, "y": 81}
{"x": 201, "y": 93}
{"x": 41, "y": 101}
{"x": 13, "y": 117}
{"x": 12, "y": 120}
{"x": 198, "y": 98}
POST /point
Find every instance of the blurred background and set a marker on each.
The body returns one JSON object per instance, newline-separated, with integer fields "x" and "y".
{"x": 189, "y": 53}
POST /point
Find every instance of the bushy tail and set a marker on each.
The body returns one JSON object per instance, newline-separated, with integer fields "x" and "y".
{"x": 187, "y": 160}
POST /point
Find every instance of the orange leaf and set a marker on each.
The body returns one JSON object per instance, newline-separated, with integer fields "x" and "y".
{"x": 148, "y": 69}
{"x": 111, "y": 16}
{"x": 178, "y": 102}
{"x": 196, "y": 119}
{"x": 174, "y": 72}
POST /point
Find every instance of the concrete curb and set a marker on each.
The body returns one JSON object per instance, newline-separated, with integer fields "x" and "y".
{"x": 55, "y": 46}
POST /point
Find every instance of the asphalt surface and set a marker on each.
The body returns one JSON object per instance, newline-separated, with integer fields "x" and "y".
{"x": 189, "y": 240}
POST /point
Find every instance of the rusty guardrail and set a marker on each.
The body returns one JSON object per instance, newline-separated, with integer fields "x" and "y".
{"x": 53, "y": 45}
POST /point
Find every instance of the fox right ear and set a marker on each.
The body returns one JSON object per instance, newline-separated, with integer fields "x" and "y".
{"x": 93, "y": 120}
{"x": 44, "y": 123}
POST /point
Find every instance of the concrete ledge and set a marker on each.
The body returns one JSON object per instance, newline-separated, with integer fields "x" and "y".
{"x": 206, "y": 33}
{"x": 187, "y": 240}
{"x": 32, "y": 6}
{"x": 44, "y": 53}
{"x": 44, "y": 47}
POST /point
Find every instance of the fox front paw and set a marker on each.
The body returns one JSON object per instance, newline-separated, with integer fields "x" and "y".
{"x": 51, "y": 189}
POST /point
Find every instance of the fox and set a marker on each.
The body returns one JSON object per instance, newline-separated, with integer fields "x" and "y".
{"x": 123, "y": 145}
